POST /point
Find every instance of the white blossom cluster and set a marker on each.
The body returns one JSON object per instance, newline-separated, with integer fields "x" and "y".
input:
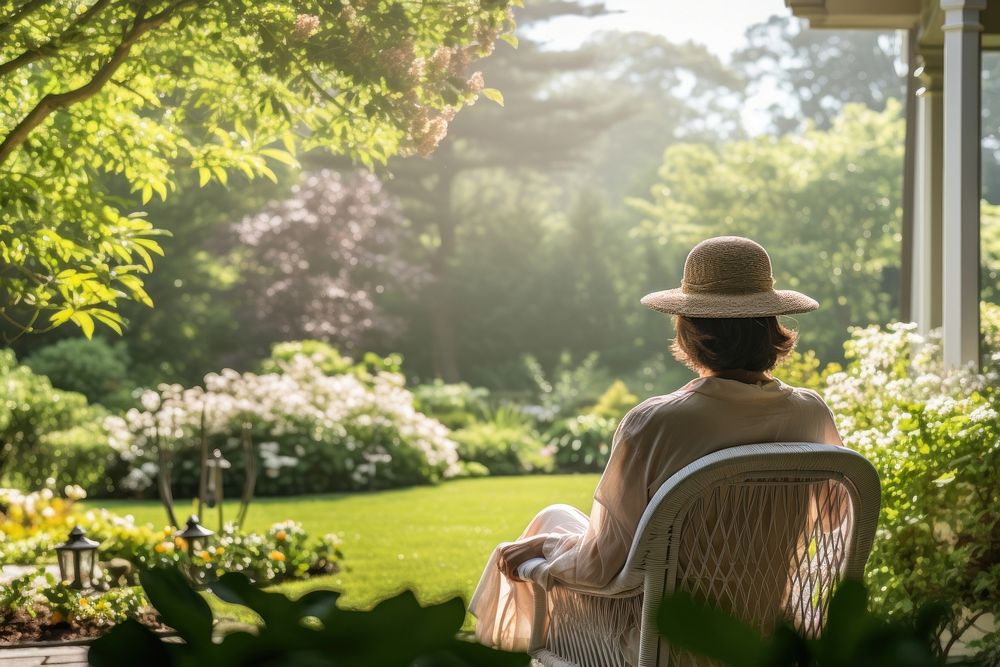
{"x": 891, "y": 368}
{"x": 298, "y": 399}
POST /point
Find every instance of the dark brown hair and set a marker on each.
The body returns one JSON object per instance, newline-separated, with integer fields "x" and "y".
{"x": 727, "y": 344}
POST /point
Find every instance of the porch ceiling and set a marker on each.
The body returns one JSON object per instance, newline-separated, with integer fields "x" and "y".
{"x": 892, "y": 15}
{"x": 883, "y": 14}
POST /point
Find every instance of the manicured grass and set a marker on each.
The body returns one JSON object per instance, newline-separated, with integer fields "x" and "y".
{"x": 434, "y": 539}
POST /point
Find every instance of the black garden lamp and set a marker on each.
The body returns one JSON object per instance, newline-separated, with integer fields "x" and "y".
{"x": 195, "y": 537}
{"x": 76, "y": 558}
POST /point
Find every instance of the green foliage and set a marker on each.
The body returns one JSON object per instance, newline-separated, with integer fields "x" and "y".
{"x": 508, "y": 444}
{"x": 17, "y": 595}
{"x": 804, "y": 369}
{"x": 48, "y": 433}
{"x": 933, "y": 436}
{"x": 853, "y": 637}
{"x": 454, "y": 405}
{"x": 990, "y": 249}
{"x": 569, "y": 387}
{"x": 329, "y": 360}
{"x": 582, "y": 443}
{"x": 94, "y": 368}
{"x": 110, "y": 92}
{"x": 826, "y": 205}
{"x": 615, "y": 402}
{"x": 309, "y": 630}
{"x": 325, "y": 356}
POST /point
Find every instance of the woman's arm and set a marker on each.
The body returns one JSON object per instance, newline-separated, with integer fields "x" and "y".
{"x": 513, "y": 554}
{"x": 596, "y": 556}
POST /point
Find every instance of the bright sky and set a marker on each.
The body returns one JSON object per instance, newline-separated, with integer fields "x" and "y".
{"x": 718, "y": 24}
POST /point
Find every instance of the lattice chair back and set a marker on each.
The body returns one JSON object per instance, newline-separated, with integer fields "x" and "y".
{"x": 763, "y": 531}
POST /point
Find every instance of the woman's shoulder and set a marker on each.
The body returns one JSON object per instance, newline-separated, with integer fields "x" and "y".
{"x": 805, "y": 395}
{"x": 655, "y": 409}
{"x": 810, "y": 401}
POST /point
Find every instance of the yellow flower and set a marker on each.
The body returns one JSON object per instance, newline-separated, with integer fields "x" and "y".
{"x": 281, "y": 535}
{"x": 205, "y": 555}
{"x": 277, "y": 555}
{"x": 180, "y": 542}
{"x": 84, "y": 602}
{"x": 219, "y": 551}
{"x": 167, "y": 532}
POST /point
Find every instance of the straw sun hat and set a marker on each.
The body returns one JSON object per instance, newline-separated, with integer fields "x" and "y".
{"x": 728, "y": 276}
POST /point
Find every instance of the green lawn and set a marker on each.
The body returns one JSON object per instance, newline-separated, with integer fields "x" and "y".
{"x": 432, "y": 539}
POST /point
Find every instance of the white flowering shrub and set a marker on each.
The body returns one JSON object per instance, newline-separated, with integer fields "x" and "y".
{"x": 313, "y": 432}
{"x": 934, "y": 437}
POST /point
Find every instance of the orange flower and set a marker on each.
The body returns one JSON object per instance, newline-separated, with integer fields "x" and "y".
{"x": 84, "y": 602}
{"x": 281, "y": 536}
{"x": 57, "y": 617}
{"x": 164, "y": 547}
{"x": 277, "y": 555}
{"x": 180, "y": 542}
{"x": 205, "y": 555}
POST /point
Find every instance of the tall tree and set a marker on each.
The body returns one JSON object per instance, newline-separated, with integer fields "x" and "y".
{"x": 139, "y": 90}
{"x": 826, "y": 204}
{"x": 809, "y": 75}
{"x": 558, "y": 105}
{"x": 539, "y": 126}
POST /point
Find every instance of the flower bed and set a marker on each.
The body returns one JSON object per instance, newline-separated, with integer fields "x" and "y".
{"x": 34, "y": 607}
{"x": 32, "y": 524}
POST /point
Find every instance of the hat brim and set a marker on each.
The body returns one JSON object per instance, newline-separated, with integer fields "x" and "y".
{"x": 760, "y": 304}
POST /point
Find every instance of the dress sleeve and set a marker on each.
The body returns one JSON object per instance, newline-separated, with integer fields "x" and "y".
{"x": 831, "y": 436}
{"x": 594, "y": 558}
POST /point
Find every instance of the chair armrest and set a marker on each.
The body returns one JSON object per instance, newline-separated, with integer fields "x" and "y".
{"x": 528, "y": 567}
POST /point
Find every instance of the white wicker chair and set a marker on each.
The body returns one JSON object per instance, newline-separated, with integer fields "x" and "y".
{"x": 764, "y": 531}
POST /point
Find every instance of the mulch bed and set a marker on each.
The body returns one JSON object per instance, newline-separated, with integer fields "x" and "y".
{"x": 23, "y": 629}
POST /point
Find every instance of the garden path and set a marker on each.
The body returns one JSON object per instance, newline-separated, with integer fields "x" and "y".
{"x": 67, "y": 656}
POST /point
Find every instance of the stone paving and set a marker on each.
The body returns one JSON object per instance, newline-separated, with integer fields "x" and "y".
{"x": 67, "y": 656}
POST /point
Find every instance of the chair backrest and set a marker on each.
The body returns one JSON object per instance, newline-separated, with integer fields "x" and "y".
{"x": 764, "y": 531}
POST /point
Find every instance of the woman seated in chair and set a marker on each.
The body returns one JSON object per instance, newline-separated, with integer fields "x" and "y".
{"x": 727, "y": 331}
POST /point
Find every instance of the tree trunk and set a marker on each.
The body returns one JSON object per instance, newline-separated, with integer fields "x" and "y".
{"x": 440, "y": 307}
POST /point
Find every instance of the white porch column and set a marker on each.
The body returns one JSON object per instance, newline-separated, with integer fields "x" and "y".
{"x": 961, "y": 180}
{"x": 927, "y": 220}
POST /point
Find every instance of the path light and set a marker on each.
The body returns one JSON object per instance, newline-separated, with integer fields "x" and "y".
{"x": 213, "y": 480}
{"x": 76, "y": 558}
{"x": 195, "y": 536}
{"x": 211, "y": 468}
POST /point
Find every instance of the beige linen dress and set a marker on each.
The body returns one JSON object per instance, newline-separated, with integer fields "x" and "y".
{"x": 654, "y": 440}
